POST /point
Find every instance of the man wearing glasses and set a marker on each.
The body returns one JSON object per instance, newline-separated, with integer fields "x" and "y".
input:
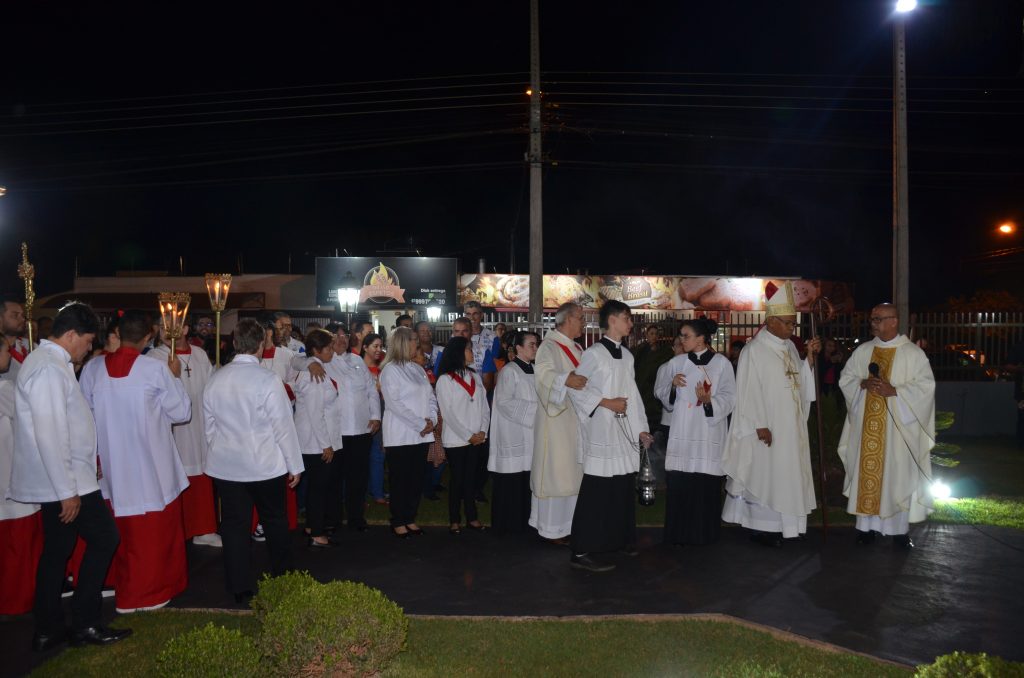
{"x": 888, "y": 435}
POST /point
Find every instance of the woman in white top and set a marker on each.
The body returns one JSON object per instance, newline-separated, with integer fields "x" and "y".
{"x": 462, "y": 399}
{"x": 410, "y": 414}
{"x": 702, "y": 394}
{"x": 318, "y": 424}
{"x": 515, "y": 403}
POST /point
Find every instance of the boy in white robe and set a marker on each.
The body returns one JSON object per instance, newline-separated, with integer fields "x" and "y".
{"x": 135, "y": 400}
{"x": 613, "y": 425}
{"x": 889, "y": 433}
{"x": 197, "y": 501}
{"x": 767, "y": 454}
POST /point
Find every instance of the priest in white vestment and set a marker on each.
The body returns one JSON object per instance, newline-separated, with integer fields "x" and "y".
{"x": 197, "y": 501}
{"x": 555, "y": 472}
{"x": 135, "y": 400}
{"x": 767, "y": 454}
{"x": 889, "y": 432}
{"x": 613, "y": 425}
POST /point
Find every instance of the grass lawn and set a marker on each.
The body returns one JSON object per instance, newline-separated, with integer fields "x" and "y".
{"x": 489, "y": 647}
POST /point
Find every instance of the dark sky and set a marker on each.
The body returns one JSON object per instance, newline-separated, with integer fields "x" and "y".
{"x": 687, "y": 138}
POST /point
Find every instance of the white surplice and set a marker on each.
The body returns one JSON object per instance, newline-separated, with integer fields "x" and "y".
{"x": 770, "y": 489}
{"x": 695, "y": 440}
{"x": 910, "y": 436}
{"x": 9, "y": 509}
{"x": 608, "y": 445}
{"x": 190, "y": 437}
{"x": 142, "y": 470}
{"x": 278, "y": 359}
{"x": 515, "y": 407}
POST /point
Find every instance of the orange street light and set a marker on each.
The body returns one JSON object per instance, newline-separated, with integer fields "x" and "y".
{"x": 1009, "y": 228}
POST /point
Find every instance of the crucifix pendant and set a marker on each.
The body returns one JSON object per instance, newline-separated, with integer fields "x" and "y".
{"x": 188, "y": 370}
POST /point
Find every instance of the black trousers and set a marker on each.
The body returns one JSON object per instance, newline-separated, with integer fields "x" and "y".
{"x": 463, "y": 466}
{"x": 406, "y": 466}
{"x": 95, "y": 525}
{"x": 318, "y": 477}
{"x": 237, "y": 500}
{"x": 605, "y": 515}
{"x": 354, "y": 474}
{"x": 482, "y": 474}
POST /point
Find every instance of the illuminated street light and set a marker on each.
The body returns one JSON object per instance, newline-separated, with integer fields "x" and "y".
{"x": 1009, "y": 228}
{"x": 904, "y": 6}
{"x": 3, "y": 191}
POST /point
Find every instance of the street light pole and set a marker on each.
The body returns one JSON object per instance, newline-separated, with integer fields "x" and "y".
{"x": 900, "y": 192}
{"x": 536, "y": 213}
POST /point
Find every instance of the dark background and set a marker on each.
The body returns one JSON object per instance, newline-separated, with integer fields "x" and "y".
{"x": 682, "y": 138}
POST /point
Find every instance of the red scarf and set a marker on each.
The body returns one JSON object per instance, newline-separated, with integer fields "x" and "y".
{"x": 470, "y": 387}
{"x": 119, "y": 363}
{"x": 17, "y": 355}
{"x": 572, "y": 358}
{"x": 268, "y": 353}
{"x": 182, "y": 351}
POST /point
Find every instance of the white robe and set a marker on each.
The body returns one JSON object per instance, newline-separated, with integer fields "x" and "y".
{"x": 770, "y": 488}
{"x": 190, "y": 437}
{"x": 663, "y": 383}
{"x": 141, "y": 467}
{"x": 463, "y": 416}
{"x": 279, "y": 361}
{"x": 608, "y": 445}
{"x": 20, "y": 349}
{"x": 905, "y": 496}
{"x": 556, "y": 470}
{"x": 515, "y": 406}
{"x": 696, "y": 441}
{"x": 9, "y": 509}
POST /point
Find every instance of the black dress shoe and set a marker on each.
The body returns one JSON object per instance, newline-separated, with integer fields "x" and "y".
{"x": 41, "y": 643}
{"x": 902, "y": 541}
{"x": 585, "y": 562}
{"x": 865, "y": 537}
{"x": 769, "y": 539}
{"x": 414, "y": 531}
{"x": 400, "y": 535}
{"x": 98, "y": 635}
{"x": 479, "y": 527}
{"x": 315, "y": 545}
{"x": 244, "y": 597}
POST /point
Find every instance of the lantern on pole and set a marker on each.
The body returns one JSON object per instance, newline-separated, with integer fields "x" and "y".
{"x": 217, "y": 286}
{"x": 348, "y": 297}
{"x": 173, "y": 311}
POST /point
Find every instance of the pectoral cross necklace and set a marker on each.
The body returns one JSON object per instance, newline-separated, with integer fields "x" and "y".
{"x": 188, "y": 369}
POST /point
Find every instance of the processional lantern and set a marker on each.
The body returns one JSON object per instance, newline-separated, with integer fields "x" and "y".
{"x": 217, "y": 286}
{"x": 173, "y": 312}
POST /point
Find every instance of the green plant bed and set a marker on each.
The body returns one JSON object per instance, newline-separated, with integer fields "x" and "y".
{"x": 998, "y": 511}
{"x": 495, "y": 647}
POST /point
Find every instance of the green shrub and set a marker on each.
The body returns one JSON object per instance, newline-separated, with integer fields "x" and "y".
{"x": 208, "y": 652}
{"x": 966, "y": 665}
{"x": 275, "y": 589}
{"x": 340, "y": 628}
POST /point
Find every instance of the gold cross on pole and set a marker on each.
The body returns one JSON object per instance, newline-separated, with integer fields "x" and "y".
{"x": 27, "y": 272}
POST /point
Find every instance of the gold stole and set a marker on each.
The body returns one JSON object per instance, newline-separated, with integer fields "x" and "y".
{"x": 872, "y": 439}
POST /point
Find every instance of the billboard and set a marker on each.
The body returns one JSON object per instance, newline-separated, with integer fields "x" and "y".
{"x": 652, "y": 292}
{"x": 385, "y": 282}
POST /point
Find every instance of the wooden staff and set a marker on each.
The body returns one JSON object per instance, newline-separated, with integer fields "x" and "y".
{"x": 823, "y": 311}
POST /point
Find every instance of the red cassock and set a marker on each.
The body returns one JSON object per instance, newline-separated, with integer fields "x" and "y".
{"x": 198, "y": 506}
{"x": 149, "y": 566}
{"x": 21, "y": 543}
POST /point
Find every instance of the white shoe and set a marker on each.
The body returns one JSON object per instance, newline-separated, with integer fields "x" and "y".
{"x": 129, "y": 610}
{"x": 213, "y": 539}
{"x": 257, "y": 534}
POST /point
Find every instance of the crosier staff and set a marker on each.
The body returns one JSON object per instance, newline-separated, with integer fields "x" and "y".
{"x": 822, "y": 311}
{"x": 27, "y": 272}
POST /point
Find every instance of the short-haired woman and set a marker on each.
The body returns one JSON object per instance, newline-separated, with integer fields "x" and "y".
{"x": 702, "y": 394}
{"x": 515, "y": 403}
{"x": 318, "y": 417}
{"x": 409, "y": 419}
{"x": 462, "y": 400}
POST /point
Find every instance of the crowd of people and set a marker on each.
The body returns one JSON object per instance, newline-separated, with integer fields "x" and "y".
{"x": 115, "y": 449}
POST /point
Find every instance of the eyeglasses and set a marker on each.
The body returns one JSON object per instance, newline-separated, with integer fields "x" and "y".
{"x": 877, "y": 319}
{"x": 206, "y": 323}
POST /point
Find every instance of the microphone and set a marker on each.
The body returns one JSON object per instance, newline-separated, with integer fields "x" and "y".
{"x": 873, "y": 370}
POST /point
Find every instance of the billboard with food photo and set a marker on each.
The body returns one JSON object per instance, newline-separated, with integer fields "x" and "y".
{"x": 652, "y": 292}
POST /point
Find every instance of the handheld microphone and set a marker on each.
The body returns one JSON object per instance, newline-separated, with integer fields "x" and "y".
{"x": 873, "y": 370}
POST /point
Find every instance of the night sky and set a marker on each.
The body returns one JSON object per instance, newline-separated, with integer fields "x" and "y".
{"x": 682, "y": 138}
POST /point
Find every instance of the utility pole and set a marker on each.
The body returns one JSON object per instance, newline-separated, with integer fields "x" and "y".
{"x": 900, "y": 195}
{"x": 534, "y": 157}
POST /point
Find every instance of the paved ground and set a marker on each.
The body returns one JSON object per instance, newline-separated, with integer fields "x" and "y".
{"x": 960, "y": 589}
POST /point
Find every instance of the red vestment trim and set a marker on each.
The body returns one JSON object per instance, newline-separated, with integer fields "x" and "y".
{"x": 470, "y": 387}
{"x": 21, "y": 543}
{"x": 572, "y": 358}
{"x": 119, "y": 363}
{"x": 197, "y": 506}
